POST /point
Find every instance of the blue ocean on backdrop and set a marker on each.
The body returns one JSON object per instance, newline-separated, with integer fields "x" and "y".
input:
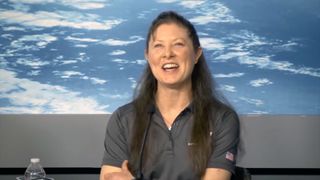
{"x": 86, "y": 56}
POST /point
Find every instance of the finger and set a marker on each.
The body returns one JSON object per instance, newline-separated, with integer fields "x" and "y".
{"x": 124, "y": 165}
{"x": 125, "y": 169}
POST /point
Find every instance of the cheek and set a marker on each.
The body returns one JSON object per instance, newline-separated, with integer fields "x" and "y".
{"x": 153, "y": 61}
{"x": 190, "y": 59}
{"x": 153, "y": 65}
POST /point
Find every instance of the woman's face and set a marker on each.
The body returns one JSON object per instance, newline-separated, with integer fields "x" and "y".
{"x": 171, "y": 55}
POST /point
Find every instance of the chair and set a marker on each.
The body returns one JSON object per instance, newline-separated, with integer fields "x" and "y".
{"x": 241, "y": 174}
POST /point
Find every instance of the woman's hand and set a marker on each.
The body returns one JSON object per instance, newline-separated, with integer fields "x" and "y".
{"x": 124, "y": 174}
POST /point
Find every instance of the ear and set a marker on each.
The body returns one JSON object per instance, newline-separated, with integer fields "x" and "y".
{"x": 198, "y": 54}
{"x": 146, "y": 55}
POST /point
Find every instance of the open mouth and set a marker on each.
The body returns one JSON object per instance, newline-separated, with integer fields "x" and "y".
{"x": 170, "y": 66}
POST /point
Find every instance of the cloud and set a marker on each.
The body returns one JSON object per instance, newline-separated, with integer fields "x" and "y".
{"x": 95, "y": 80}
{"x": 33, "y": 63}
{"x": 80, "y": 75}
{"x": 26, "y": 96}
{"x": 247, "y": 39}
{"x": 81, "y": 45}
{"x": 287, "y": 46}
{"x": 208, "y": 11}
{"x": 166, "y": 1}
{"x": 125, "y": 61}
{"x": 7, "y": 36}
{"x": 117, "y": 52}
{"x": 81, "y": 39}
{"x": 3, "y": 62}
{"x": 120, "y": 61}
{"x": 266, "y": 63}
{"x": 211, "y": 43}
{"x": 256, "y": 102}
{"x": 41, "y": 41}
{"x": 83, "y": 57}
{"x": 230, "y": 75}
{"x": 60, "y": 60}
{"x": 145, "y": 14}
{"x": 213, "y": 13}
{"x": 141, "y": 61}
{"x": 84, "y": 4}
{"x": 79, "y": 4}
{"x": 133, "y": 82}
{"x": 245, "y": 48}
{"x": 260, "y": 82}
{"x": 230, "y": 55}
{"x": 64, "y": 62}
{"x": 125, "y": 96}
{"x": 68, "y": 74}
{"x": 117, "y": 42}
{"x": 58, "y": 19}
{"x": 191, "y": 3}
{"x": 34, "y": 73}
{"x": 32, "y": 1}
{"x": 228, "y": 88}
{"x": 13, "y": 28}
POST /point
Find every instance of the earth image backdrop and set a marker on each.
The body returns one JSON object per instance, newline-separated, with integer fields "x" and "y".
{"x": 86, "y": 56}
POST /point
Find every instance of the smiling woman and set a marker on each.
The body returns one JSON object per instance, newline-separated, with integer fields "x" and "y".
{"x": 171, "y": 56}
{"x": 85, "y": 57}
{"x": 176, "y": 127}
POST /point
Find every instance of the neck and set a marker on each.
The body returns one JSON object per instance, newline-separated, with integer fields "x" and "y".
{"x": 175, "y": 95}
{"x": 171, "y": 102}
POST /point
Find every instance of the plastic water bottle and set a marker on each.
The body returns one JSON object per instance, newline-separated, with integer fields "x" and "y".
{"x": 34, "y": 170}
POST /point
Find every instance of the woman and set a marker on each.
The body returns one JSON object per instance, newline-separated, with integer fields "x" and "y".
{"x": 176, "y": 127}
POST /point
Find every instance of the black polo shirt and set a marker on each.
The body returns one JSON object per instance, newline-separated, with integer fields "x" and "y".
{"x": 168, "y": 157}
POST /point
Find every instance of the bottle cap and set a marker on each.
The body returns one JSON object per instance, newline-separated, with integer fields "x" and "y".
{"x": 35, "y": 160}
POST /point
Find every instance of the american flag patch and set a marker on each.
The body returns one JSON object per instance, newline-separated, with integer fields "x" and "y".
{"x": 230, "y": 156}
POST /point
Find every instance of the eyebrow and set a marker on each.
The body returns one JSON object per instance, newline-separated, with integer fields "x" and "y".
{"x": 176, "y": 39}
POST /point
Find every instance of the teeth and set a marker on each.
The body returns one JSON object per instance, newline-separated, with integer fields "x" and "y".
{"x": 168, "y": 66}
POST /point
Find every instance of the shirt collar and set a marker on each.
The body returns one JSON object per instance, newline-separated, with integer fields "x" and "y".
{"x": 152, "y": 108}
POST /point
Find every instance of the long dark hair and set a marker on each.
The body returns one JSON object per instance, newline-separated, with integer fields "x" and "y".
{"x": 205, "y": 100}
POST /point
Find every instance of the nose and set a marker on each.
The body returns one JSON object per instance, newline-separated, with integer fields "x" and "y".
{"x": 168, "y": 53}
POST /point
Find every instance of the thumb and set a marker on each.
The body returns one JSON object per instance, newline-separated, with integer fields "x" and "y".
{"x": 124, "y": 166}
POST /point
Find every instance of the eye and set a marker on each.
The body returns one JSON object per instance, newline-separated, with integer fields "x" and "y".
{"x": 179, "y": 44}
{"x": 157, "y": 45}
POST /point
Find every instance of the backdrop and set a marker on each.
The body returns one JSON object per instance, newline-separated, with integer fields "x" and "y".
{"x": 86, "y": 56}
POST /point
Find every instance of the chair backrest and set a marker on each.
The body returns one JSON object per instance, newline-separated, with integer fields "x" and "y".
{"x": 241, "y": 174}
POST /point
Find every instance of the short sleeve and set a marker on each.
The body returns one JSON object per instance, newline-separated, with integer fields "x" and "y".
{"x": 115, "y": 143}
{"x": 226, "y": 138}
